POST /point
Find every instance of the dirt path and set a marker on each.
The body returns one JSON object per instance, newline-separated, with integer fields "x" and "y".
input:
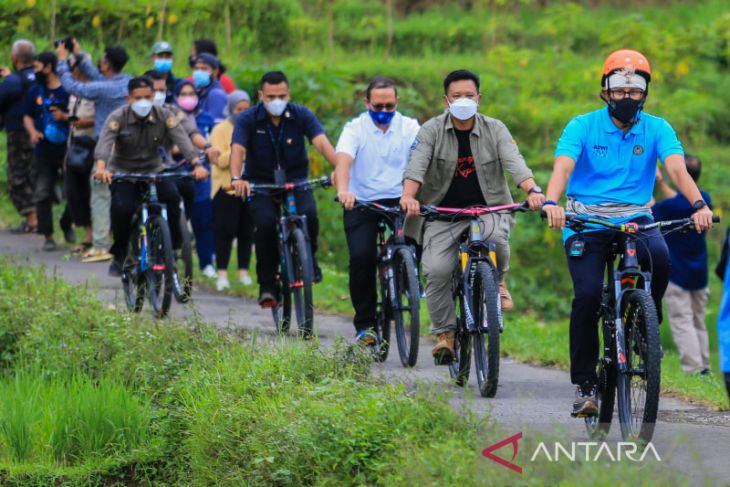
{"x": 530, "y": 399}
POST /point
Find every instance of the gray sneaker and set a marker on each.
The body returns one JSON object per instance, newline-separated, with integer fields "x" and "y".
{"x": 49, "y": 245}
{"x": 586, "y": 402}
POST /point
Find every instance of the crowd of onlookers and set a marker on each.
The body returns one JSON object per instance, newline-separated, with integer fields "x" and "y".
{"x": 53, "y": 106}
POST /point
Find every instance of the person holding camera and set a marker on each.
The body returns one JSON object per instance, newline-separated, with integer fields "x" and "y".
{"x": 45, "y": 117}
{"x": 107, "y": 87}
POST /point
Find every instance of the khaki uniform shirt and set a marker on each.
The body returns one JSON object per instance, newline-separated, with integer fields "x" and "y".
{"x": 433, "y": 157}
{"x": 129, "y": 144}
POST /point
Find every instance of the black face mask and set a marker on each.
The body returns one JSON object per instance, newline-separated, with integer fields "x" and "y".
{"x": 191, "y": 61}
{"x": 625, "y": 110}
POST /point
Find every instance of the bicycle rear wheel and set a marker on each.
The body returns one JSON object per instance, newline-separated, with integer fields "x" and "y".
{"x": 183, "y": 275}
{"x": 301, "y": 286}
{"x": 160, "y": 272}
{"x": 599, "y": 426}
{"x": 460, "y": 367}
{"x": 407, "y": 311}
{"x": 487, "y": 320}
{"x": 133, "y": 279}
{"x": 638, "y": 387}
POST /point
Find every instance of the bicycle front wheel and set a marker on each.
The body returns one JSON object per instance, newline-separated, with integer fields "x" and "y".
{"x": 301, "y": 286}
{"x": 407, "y": 307}
{"x": 638, "y": 386}
{"x": 460, "y": 367}
{"x": 487, "y": 320}
{"x": 133, "y": 280}
{"x": 161, "y": 265}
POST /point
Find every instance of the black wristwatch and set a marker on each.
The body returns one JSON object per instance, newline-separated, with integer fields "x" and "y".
{"x": 535, "y": 189}
{"x": 699, "y": 204}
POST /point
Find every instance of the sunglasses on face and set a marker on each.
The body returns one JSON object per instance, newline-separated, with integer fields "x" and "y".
{"x": 379, "y": 107}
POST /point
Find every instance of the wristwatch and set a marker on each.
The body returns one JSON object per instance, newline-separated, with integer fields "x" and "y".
{"x": 236, "y": 178}
{"x": 535, "y": 189}
{"x": 698, "y": 205}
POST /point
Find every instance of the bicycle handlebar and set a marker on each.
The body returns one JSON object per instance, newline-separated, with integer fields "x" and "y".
{"x": 441, "y": 213}
{"x": 149, "y": 177}
{"x": 323, "y": 182}
{"x": 577, "y": 223}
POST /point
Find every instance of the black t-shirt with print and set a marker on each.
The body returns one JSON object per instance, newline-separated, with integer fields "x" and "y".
{"x": 464, "y": 190}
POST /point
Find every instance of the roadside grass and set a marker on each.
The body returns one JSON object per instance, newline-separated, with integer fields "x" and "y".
{"x": 194, "y": 405}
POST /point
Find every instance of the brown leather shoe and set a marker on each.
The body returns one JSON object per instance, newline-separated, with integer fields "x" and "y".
{"x": 443, "y": 352}
{"x": 505, "y": 297}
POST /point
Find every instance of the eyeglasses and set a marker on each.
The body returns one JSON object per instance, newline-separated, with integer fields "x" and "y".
{"x": 379, "y": 107}
{"x": 621, "y": 94}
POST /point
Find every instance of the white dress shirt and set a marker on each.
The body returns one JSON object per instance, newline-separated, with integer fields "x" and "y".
{"x": 379, "y": 158}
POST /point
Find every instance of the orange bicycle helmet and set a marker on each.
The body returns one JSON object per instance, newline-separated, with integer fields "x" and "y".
{"x": 626, "y": 59}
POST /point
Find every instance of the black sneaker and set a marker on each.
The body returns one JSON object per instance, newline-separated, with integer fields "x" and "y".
{"x": 317, "y": 272}
{"x": 586, "y": 402}
{"x": 69, "y": 236}
{"x": 49, "y": 245}
{"x": 115, "y": 269}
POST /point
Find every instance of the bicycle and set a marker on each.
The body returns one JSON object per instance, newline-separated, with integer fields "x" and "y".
{"x": 398, "y": 290}
{"x": 148, "y": 269}
{"x": 630, "y": 367}
{"x": 475, "y": 287}
{"x": 296, "y": 273}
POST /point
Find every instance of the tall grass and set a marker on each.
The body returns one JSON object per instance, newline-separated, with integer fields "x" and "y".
{"x": 70, "y": 419}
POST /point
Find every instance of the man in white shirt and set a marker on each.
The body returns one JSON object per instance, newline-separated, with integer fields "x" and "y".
{"x": 372, "y": 154}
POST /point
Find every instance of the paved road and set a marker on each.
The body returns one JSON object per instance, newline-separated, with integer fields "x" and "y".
{"x": 530, "y": 399}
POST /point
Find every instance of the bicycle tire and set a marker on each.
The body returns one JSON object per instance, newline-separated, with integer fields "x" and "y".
{"x": 407, "y": 297}
{"x": 382, "y": 321}
{"x": 183, "y": 281}
{"x": 637, "y": 414}
{"x": 599, "y": 426}
{"x": 282, "y": 313}
{"x": 133, "y": 280}
{"x": 303, "y": 271}
{"x": 487, "y": 318}
{"x": 461, "y": 366}
{"x": 160, "y": 272}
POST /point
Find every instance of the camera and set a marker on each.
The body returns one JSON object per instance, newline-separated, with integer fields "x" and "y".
{"x": 68, "y": 43}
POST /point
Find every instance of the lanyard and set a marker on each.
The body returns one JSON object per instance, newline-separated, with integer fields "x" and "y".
{"x": 276, "y": 143}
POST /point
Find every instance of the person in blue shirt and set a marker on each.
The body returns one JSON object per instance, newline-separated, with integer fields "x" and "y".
{"x": 212, "y": 96}
{"x": 13, "y": 89}
{"x": 723, "y": 317}
{"x": 270, "y": 136}
{"x": 45, "y": 117}
{"x": 687, "y": 293}
{"x": 607, "y": 159}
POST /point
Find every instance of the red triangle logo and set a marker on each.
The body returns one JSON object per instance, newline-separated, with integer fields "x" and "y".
{"x": 512, "y": 440}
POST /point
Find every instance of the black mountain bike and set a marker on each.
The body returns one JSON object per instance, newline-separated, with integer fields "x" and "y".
{"x": 475, "y": 285}
{"x": 630, "y": 367}
{"x": 398, "y": 290}
{"x": 296, "y": 274}
{"x": 148, "y": 269}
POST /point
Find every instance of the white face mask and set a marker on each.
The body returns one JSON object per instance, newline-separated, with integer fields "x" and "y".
{"x": 159, "y": 98}
{"x": 463, "y": 108}
{"x": 276, "y": 107}
{"x": 142, "y": 108}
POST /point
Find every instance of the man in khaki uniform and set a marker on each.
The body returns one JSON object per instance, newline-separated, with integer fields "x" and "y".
{"x": 458, "y": 160}
{"x": 130, "y": 142}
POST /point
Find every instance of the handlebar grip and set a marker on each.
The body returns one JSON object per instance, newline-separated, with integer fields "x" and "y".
{"x": 715, "y": 219}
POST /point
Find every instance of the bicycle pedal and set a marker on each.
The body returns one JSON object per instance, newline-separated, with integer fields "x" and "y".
{"x": 583, "y": 415}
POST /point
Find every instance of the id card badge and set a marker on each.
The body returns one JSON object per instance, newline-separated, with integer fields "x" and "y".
{"x": 279, "y": 176}
{"x": 577, "y": 248}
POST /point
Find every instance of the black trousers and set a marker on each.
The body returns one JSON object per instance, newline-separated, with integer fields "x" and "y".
{"x": 47, "y": 171}
{"x": 126, "y": 197}
{"x": 232, "y": 218}
{"x": 361, "y": 231}
{"x": 266, "y": 210}
{"x": 588, "y": 274}
{"x": 78, "y": 196}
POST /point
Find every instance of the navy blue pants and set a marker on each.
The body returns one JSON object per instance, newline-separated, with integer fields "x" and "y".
{"x": 202, "y": 220}
{"x": 588, "y": 274}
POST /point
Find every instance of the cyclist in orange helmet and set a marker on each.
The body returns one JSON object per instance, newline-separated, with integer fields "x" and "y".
{"x": 607, "y": 159}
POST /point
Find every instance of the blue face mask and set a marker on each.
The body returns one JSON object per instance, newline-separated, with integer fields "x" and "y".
{"x": 163, "y": 65}
{"x": 381, "y": 118}
{"x": 201, "y": 78}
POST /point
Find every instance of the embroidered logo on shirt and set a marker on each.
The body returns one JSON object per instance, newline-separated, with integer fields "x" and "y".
{"x": 600, "y": 150}
{"x": 414, "y": 144}
{"x": 638, "y": 150}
